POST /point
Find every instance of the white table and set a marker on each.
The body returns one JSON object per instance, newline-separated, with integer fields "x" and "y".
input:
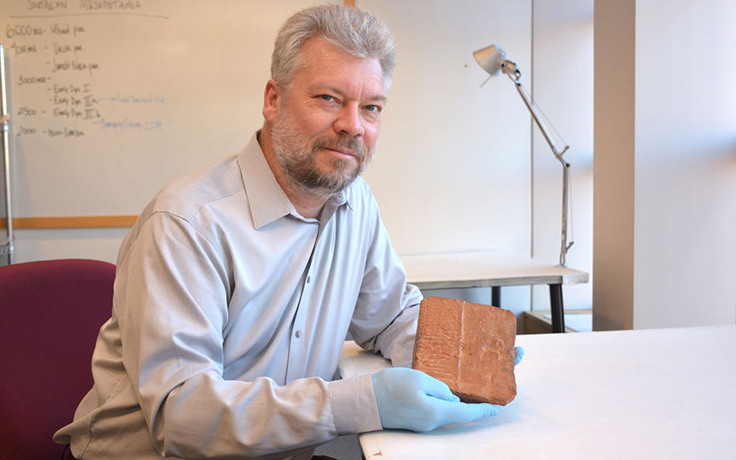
{"x": 492, "y": 269}
{"x": 647, "y": 394}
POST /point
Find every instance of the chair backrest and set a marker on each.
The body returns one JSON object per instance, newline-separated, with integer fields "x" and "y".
{"x": 50, "y": 315}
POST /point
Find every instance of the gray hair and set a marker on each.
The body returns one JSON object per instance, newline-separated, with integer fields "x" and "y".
{"x": 359, "y": 33}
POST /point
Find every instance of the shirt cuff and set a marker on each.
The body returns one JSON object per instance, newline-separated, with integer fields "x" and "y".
{"x": 354, "y": 406}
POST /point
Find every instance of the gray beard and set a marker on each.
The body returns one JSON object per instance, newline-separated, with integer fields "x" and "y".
{"x": 297, "y": 158}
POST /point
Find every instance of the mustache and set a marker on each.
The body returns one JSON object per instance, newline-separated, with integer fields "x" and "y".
{"x": 341, "y": 143}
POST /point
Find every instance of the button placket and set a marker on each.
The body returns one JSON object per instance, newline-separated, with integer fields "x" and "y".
{"x": 297, "y": 346}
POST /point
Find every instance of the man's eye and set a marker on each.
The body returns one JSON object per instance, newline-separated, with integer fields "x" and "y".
{"x": 327, "y": 97}
{"x": 373, "y": 108}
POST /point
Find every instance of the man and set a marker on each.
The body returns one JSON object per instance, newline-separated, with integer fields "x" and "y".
{"x": 237, "y": 285}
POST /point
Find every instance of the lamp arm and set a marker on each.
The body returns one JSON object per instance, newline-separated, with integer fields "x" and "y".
{"x": 510, "y": 69}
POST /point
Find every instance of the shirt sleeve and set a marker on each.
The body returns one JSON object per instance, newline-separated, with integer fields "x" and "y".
{"x": 385, "y": 318}
{"x": 171, "y": 300}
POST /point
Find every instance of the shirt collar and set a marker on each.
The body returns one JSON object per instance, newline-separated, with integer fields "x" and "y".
{"x": 266, "y": 198}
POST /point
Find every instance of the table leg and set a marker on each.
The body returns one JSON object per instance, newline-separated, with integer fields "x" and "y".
{"x": 496, "y": 296}
{"x": 558, "y": 309}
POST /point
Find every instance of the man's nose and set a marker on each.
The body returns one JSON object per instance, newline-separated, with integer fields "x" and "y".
{"x": 349, "y": 121}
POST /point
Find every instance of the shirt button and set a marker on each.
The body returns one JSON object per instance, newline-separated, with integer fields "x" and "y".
{"x": 298, "y": 334}
{"x": 309, "y": 279}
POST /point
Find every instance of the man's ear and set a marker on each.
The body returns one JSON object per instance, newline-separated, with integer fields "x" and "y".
{"x": 271, "y": 101}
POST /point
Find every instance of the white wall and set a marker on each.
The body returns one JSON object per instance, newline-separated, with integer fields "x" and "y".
{"x": 452, "y": 172}
{"x": 483, "y": 186}
{"x": 455, "y": 169}
{"x": 461, "y": 156}
{"x": 685, "y": 220}
{"x": 452, "y": 168}
{"x": 682, "y": 269}
{"x": 561, "y": 80}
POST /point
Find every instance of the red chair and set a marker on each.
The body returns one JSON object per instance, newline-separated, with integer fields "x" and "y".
{"x": 50, "y": 315}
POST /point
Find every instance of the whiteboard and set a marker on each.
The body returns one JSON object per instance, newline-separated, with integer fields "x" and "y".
{"x": 111, "y": 100}
{"x": 179, "y": 84}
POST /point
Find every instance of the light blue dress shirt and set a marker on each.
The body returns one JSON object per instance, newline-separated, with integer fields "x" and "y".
{"x": 229, "y": 316}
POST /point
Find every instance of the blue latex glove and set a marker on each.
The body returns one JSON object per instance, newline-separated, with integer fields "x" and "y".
{"x": 409, "y": 399}
{"x": 519, "y": 354}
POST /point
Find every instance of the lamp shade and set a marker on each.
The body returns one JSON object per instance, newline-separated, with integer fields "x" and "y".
{"x": 490, "y": 58}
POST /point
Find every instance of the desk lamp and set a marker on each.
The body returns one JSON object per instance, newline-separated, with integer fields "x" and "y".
{"x": 493, "y": 60}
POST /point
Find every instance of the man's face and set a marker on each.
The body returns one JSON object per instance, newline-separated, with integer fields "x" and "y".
{"x": 326, "y": 127}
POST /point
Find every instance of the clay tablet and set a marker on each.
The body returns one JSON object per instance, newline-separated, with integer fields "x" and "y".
{"x": 468, "y": 346}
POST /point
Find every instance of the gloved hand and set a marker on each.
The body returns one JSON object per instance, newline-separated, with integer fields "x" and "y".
{"x": 519, "y": 354}
{"x": 409, "y": 399}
